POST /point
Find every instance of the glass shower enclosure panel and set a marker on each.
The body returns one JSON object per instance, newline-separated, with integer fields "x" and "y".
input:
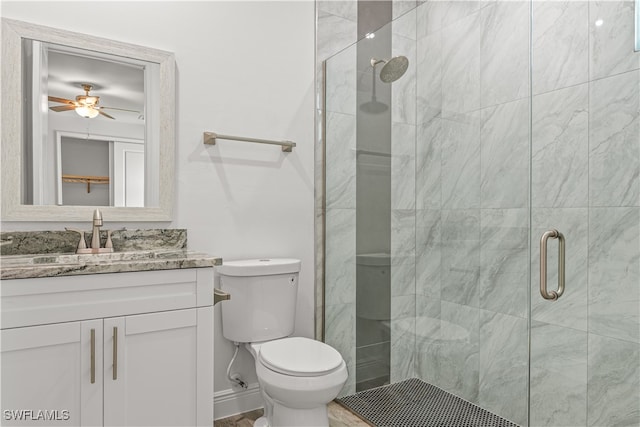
{"x": 585, "y": 164}
{"x": 340, "y": 209}
{"x": 427, "y": 205}
{"x": 514, "y": 120}
{"x": 472, "y": 202}
{"x": 359, "y": 198}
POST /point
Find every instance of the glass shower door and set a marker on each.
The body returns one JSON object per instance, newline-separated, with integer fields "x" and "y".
{"x": 449, "y": 171}
{"x": 515, "y": 118}
{"x": 585, "y": 163}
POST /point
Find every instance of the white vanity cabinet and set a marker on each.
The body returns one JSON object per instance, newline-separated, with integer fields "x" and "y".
{"x": 108, "y": 349}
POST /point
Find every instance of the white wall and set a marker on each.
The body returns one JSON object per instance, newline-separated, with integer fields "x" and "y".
{"x": 243, "y": 68}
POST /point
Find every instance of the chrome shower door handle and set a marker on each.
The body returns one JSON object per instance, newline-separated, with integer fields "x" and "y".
{"x": 551, "y": 295}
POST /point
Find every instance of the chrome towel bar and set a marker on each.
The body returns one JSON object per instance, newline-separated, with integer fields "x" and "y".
{"x": 209, "y": 138}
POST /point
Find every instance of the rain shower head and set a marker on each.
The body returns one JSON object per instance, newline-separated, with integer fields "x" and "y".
{"x": 393, "y": 69}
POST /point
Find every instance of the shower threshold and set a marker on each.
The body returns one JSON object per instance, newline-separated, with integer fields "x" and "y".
{"x": 415, "y": 403}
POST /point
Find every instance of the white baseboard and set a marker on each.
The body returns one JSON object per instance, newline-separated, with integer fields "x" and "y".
{"x": 231, "y": 402}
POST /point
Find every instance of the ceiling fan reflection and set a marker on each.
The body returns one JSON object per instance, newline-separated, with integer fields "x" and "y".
{"x": 85, "y": 105}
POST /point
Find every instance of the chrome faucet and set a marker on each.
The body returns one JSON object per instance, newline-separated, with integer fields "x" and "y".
{"x": 95, "y": 238}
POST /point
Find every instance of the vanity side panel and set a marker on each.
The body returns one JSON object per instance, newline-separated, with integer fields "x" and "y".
{"x": 204, "y": 405}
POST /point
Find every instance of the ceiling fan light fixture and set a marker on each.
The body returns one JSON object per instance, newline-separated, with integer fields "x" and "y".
{"x": 87, "y": 112}
{"x": 85, "y": 105}
{"x": 87, "y": 100}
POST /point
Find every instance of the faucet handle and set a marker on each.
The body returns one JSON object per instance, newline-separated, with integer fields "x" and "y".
{"x": 109, "y": 243}
{"x": 82, "y": 244}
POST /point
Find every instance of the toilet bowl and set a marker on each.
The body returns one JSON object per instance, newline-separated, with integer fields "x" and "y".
{"x": 297, "y": 376}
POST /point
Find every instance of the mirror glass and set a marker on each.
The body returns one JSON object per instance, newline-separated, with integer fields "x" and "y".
{"x": 637, "y": 25}
{"x": 86, "y": 122}
{"x": 84, "y": 127}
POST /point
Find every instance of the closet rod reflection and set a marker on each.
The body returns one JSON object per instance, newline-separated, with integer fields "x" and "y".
{"x": 210, "y": 139}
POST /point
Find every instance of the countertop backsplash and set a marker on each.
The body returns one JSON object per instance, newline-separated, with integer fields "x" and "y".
{"x": 48, "y": 242}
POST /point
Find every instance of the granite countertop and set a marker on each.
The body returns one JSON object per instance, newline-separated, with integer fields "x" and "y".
{"x": 68, "y": 264}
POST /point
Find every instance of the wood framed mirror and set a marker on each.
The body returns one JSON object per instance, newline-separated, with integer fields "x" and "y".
{"x": 56, "y": 82}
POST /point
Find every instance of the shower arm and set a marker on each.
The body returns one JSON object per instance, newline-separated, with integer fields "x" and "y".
{"x": 373, "y": 83}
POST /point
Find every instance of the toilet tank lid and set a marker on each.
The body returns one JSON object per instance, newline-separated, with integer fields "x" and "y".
{"x": 259, "y": 267}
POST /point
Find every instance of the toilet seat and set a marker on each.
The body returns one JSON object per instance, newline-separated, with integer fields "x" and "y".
{"x": 300, "y": 357}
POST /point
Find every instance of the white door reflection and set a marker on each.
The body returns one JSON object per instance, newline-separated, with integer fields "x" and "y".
{"x": 99, "y": 170}
{"x": 128, "y": 174}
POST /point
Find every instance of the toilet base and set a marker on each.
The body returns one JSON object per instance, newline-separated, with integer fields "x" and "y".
{"x": 315, "y": 417}
{"x": 296, "y": 401}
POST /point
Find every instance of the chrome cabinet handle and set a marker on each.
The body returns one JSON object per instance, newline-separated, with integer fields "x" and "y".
{"x": 551, "y": 295}
{"x": 93, "y": 356}
{"x": 115, "y": 352}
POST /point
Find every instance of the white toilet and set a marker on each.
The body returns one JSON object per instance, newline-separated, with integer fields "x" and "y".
{"x": 297, "y": 376}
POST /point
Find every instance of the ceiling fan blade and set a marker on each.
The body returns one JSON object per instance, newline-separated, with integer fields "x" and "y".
{"x": 106, "y": 115}
{"x": 119, "y": 109}
{"x": 60, "y": 108}
{"x": 63, "y": 100}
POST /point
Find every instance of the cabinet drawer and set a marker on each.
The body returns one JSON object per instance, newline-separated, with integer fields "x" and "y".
{"x": 26, "y": 302}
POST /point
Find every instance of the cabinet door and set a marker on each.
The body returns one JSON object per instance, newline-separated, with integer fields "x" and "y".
{"x": 150, "y": 377}
{"x": 46, "y": 374}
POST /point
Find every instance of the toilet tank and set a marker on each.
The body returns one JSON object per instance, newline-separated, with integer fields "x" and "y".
{"x": 373, "y": 290}
{"x": 263, "y": 298}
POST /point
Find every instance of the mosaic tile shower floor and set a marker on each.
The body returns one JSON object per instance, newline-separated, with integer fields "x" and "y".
{"x": 415, "y": 403}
